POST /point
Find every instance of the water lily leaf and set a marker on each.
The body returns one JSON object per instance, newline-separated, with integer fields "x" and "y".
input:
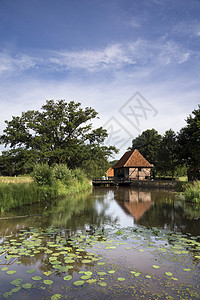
{"x": 7, "y": 294}
{"x": 88, "y": 273}
{"x": 111, "y": 271}
{"x": 156, "y": 267}
{"x": 16, "y": 282}
{"x": 137, "y": 274}
{"x": 101, "y": 273}
{"x": 86, "y": 261}
{"x": 103, "y": 284}
{"x": 36, "y": 277}
{"x": 56, "y": 296}
{"x": 85, "y": 277}
{"x": 148, "y": 276}
{"x": 48, "y": 273}
{"x": 173, "y": 278}
{"x": 78, "y": 282}
{"x": 101, "y": 263}
{"x": 48, "y": 282}
{"x": 187, "y": 270}
{"x": 68, "y": 277}
{"x": 197, "y": 256}
{"x": 27, "y": 286}
{"x": 90, "y": 281}
{"x": 11, "y": 272}
{"x": 168, "y": 273}
{"x": 15, "y": 290}
{"x": 120, "y": 278}
{"x": 4, "y": 269}
{"x": 30, "y": 271}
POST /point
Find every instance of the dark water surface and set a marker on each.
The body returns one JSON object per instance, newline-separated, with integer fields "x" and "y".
{"x": 112, "y": 243}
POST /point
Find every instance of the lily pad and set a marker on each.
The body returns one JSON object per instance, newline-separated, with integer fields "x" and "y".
{"x": 156, "y": 267}
{"x": 30, "y": 271}
{"x": 78, "y": 282}
{"x": 4, "y": 269}
{"x": 27, "y": 286}
{"x": 36, "y": 278}
{"x": 56, "y": 297}
{"x": 48, "y": 282}
{"x": 17, "y": 281}
{"x": 11, "y": 272}
{"x": 120, "y": 278}
{"x": 168, "y": 273}
{"x": 68, "y": 277}
{"x": 103, "y": 284}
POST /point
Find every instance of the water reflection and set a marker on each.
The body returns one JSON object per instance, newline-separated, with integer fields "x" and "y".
{"x": 124, "y": 206}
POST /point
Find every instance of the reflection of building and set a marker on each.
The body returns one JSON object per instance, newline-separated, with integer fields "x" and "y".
{"x": 134, "y": 201}
{"x": 133, "y": 165}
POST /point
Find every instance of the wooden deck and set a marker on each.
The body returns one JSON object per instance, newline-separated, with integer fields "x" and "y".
{"x": 134, "y": 183}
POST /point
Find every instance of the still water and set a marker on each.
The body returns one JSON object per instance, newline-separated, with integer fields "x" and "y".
{"x": 112, "y": 243}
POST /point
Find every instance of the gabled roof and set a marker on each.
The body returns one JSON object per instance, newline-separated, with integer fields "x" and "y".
{"x": 132, "y": 159}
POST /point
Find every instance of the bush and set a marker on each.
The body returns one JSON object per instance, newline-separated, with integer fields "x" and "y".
{"x": 192, "y": 192}
{"x": 62, "y": 173}
{"x": 79, "y": 175}
{"x": 42, "y": 175}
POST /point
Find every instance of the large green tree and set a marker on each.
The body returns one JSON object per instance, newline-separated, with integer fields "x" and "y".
{"x": 168, "y": 153}
{"x": 61, "y": 132}
{"x": 189, "y": 141}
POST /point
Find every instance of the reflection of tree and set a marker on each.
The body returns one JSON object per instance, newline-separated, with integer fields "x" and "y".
{"x": 82, "y": 212}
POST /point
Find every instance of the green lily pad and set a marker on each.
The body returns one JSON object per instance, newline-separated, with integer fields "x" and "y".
{"x": 16, "y": 282}
{"x": 68, "y": 277}
{"x": 11, "y": 272}
{"x": 111, "y": 271}
{"x": 30, "y": 271}
{"x": 78, "y": 282}
{"x": 156, "y": 267}
{"x": 4, "y": 269}
{"x": 187, "y": 270}
{"x": 86, "y": 261}
{"x": 56, "y": 297}
{"x": 103, "y": 284}
{"x": 15, "y": 290}
{"x": 27, "y": 286}
{"x": 101, "y": 273}
{"x": 148, "y": 276}
{"x": 85, "y": 277}
{"x": 120, "y": 278}
{"x": 168, "y": 273}
{"x": 48, "y": 282}
{"x": 36, "y": 278}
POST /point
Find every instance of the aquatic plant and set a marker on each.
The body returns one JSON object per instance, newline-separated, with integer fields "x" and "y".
{"x": 192, "y": 192}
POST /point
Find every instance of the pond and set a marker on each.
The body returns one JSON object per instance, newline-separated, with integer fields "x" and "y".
{"x": 112, "y": 243}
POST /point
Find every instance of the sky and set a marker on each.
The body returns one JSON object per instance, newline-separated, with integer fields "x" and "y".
{"x": 136, "y": 62}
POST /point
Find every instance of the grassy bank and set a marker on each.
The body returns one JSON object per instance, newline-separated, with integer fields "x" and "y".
{"x": 45, "y": 184}
{"x": 192, "y": 192}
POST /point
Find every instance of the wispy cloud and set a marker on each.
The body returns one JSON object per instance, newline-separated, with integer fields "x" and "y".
{"x": 114, "y": 57}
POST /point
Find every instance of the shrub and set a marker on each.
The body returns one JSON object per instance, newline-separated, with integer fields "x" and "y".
{"x": 62, "y": 173}
{"x": 42, "y": 175}
{"x": 192, "y": 192}
{"x": 79, "y": 175}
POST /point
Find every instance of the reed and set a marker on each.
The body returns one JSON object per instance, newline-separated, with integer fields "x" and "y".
{"x": 46, "y": 184}
{"x": 192, "y": 192}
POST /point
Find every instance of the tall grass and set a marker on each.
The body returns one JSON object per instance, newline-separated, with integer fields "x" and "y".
{"x": 46, "y": 184}
{"x": 192, "y": 192}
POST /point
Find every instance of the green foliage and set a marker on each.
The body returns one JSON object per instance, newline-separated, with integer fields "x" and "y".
{"x": 192, "y": 192}
{"x": 189, "y": 142}
{"x": 14, "y": 195}
{"x": 42, "y": 175}
{"x": 79, "y": 175}
{"x": 60, "y": 133}
{"x": 63, "y": 173}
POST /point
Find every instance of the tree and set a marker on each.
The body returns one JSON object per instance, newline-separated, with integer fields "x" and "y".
{"x": 60, "y": 133}
{"x": 148, "y": 143}
{"x": 189, "y": 141}
{"x": 168, "y": 153}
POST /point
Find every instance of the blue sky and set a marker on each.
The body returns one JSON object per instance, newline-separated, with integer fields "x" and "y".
{"x": 136, "y": 62}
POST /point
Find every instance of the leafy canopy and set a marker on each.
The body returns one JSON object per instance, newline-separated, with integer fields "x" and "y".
{"x": 61, "y": 132}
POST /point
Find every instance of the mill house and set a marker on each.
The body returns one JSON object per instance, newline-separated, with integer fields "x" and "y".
{"x": 132, "y": 165}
